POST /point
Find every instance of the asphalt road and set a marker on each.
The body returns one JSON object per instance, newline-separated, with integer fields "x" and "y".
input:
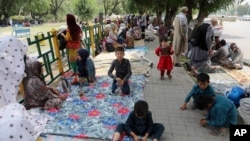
{"x": 238, "y": 32}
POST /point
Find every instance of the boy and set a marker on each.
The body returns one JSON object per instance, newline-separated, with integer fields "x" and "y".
{"x": 123, "y": 72}
{"x": 140, "y": 123}
{"x": 221, "y": 112}
{"x": 202, "y": 87}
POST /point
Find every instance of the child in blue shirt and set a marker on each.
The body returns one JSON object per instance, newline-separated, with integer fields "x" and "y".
{"x": 221, "y": 112}
{"x": 140, "y": 123}
{"x": 202, "y": 87}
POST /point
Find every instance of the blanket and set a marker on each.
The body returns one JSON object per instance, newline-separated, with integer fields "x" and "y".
{"x": 96, "y": 114}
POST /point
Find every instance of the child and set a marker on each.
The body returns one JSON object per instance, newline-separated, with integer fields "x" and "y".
{"x": 140, "y": 123}
{"x": 202, "y": 88}
{"x": 85, "y": 66}
{"x": 221, "y": 112}
{"x": 123, "y": 72}
{"x": 164, "y": 51}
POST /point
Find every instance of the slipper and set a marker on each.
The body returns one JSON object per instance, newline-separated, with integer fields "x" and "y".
{"x": 217, "y": 133}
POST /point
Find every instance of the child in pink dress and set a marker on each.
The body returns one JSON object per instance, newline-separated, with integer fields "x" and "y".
{"x": 164, "y": 51}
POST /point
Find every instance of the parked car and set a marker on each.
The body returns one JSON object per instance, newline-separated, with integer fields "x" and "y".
{"x": 245, "y": 18}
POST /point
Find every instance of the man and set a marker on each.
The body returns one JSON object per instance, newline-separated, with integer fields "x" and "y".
{"x": 201, "y": 50}
{"x": 143, "y": 23}
{"x": 180, "y": 35}
{"x": 236, "y": 57}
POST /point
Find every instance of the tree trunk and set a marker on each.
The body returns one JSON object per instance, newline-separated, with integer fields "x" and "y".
{"x": 189, "y": 4}
{"x": 158, "y": 16}
{"x": 170, "y": 15}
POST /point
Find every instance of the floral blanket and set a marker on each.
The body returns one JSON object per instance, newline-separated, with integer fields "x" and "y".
{"x": 96, "y": 114}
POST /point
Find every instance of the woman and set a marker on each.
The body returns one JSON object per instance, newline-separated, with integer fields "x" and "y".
{"x": 73, "y": 37}
{"x": 37, "y": 94}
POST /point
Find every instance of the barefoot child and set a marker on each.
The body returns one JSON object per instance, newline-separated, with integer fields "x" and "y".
{"x": 164, "y": 51}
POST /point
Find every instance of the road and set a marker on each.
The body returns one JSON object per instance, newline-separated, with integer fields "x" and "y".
{"x": 238, "y": 32}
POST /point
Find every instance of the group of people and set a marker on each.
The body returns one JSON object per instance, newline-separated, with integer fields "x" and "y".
{"x": 219, "y": 110}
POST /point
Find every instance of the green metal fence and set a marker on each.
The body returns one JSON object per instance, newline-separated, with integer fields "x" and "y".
{"x": 48, "y": 50}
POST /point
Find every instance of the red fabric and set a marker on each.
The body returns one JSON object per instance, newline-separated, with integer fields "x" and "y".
{"x": 165, "y": 61}
{"x": 73, "y": 44}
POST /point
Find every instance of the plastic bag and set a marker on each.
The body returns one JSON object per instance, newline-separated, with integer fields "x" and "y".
{"x": 235, "y": 94}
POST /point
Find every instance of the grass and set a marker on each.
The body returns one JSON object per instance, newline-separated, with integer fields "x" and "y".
{"x": 34, "y": 30}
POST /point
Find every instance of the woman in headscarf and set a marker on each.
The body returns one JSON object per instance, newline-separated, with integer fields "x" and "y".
{"x": 73, "y": 37}
{"x": 37, "y": 94}
{"x": 86, "y": 66}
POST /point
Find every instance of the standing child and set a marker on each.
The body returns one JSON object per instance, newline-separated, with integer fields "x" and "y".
{"x": 85, "y": 65}
{"x": 140, "y": 124}
{"x": 123, "y": 72}
{"x": 202, "y": 88}
{"x": 164, "y": 51}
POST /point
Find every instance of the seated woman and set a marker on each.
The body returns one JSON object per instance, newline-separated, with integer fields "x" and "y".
{"x": 221, "y": 54}
{"x": 37, "y": 94}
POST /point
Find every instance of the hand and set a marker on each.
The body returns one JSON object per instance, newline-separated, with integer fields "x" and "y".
{"x": 203, "y": 122}
{"x": 144, "y": 138}
{"x": 184, "y": 106}
{"x": 63, "y": 97}
{"x": 121, "y": 82}
{"x": 118, "y": 79}
{"x": 135, "y": 138}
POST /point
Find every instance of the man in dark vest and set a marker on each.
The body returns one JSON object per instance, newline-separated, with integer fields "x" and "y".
{"x": 201, "y": 48}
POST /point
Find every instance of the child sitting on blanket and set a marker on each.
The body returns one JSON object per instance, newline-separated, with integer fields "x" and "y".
{"x": 123, "y": 72}
{"x": 139, "y": 124}
{"x": 85, "y": 66}
{"x": 202, "y": 88}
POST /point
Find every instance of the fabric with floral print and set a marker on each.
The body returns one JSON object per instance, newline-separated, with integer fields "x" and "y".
{"x": 95, "y": 114}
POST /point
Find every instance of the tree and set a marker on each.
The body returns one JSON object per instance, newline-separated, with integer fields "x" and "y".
{"x": 55, "y": 7}
{"x": 85, "y": 9}
{"x": 111, "y": 5}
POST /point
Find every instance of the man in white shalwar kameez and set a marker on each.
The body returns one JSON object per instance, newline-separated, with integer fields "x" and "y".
{"x": 180, "y": 35}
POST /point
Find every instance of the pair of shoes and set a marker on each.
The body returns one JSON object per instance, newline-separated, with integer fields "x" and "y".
{"x": 178, "y": 65}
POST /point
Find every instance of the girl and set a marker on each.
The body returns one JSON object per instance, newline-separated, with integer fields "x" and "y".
{"x": 164, "y": 51}
{"x": 85, "y": 65}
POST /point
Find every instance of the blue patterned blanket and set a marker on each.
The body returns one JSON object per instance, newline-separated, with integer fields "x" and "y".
{"x": 96, "y": 114}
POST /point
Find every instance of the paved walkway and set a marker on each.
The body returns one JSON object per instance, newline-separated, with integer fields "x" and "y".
{"x": 165, "y": 98}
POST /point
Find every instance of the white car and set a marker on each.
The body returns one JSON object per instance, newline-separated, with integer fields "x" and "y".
{"x": 245, "y": 18}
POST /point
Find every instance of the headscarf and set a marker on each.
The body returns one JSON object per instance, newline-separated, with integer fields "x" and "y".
{"x": 81, "y": 64}
{"x": 12, "y": 52}
{"x": 33, "y": 69}
{"x": 74, "y": 29}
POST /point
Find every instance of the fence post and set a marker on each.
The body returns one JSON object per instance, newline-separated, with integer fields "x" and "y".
{"x": 92, "y": 40}
{"x": 57, "y": 51}
{"x": 100, "y": 32}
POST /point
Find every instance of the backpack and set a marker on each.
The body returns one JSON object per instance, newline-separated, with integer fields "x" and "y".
{"x": 198, "y": 36}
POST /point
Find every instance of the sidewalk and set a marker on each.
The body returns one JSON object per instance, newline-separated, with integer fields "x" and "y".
{"x": 165, "y": 98}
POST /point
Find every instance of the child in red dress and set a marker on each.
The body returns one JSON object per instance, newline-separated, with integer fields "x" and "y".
{"x": 164, "y": 51}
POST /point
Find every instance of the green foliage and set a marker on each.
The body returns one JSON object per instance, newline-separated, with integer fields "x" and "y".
{"x": 85, "y": 9}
